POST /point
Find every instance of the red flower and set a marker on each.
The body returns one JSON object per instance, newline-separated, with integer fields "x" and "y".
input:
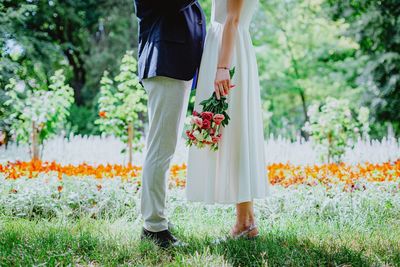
{"x": 195, "y": 113}
{"x": 218, "y": 118}
{"x": 59, "y": 188}
{"x": 207, "y": 115}
{"x": 190, "y": 135}
{"x": 206, "y": 124}
{"x": 102, "y": 114}
{"x": 216, "y": 139}
{"x": 197, "y": 121}
{"x": 212, "y": 131}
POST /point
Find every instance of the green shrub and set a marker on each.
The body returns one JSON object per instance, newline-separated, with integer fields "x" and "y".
{"x": 122, "y": 104}
{"x": 335, "y": 126}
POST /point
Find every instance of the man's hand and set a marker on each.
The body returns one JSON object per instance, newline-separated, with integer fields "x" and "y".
{"x": 222, "y": 83}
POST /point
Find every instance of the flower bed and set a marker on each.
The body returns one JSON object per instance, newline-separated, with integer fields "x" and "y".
{"x": 278, "y": 173}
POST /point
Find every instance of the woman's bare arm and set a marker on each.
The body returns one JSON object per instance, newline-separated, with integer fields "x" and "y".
{"x": 222, "y": 79}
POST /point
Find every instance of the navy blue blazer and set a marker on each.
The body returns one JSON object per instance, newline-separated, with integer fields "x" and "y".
{"x": 171, "y": 38}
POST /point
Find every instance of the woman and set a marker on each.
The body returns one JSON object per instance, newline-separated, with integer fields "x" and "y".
{"x": 235, "y": 174}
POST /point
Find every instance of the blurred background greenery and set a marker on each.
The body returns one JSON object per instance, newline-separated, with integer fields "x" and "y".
{"x": 307, "y": 50}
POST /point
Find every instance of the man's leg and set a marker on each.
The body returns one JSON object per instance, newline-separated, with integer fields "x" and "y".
{"x": 167, "y": 104}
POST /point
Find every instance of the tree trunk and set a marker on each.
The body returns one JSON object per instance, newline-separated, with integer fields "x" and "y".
{"x": 130, "y": 141}
{"x": 305, "y": 134}
{"x": 297, "y": 75}
{"x": 35, "y": 142}
{"x": 78, "y": 80}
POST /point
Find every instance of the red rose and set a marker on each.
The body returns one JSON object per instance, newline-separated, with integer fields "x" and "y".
{"x": 207, "y": 115}
{"x": 206, "y": 124}
{"x": 195, "y": 113}
{"x": 190, "y": 135}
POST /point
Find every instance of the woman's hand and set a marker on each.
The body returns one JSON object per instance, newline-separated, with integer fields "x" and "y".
{"x": 222, "y": 83}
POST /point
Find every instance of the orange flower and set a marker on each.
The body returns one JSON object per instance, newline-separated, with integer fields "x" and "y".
{"x": 284, "y": 174}
{"x": 102, "y": 114}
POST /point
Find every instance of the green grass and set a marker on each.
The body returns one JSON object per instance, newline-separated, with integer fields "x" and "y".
{"x": 300, "y": 226}
{"x": 303, "y": 241}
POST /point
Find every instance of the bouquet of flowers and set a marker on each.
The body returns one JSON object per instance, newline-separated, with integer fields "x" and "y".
{"x": 204, "y": 128}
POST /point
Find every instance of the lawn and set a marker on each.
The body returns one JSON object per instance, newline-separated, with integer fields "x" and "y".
{"x": 98, "y": 242}
{"x": 300, "y": 226}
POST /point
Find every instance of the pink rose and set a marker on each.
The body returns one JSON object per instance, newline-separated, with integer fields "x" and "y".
{"x": 216, "y": 139}
{"x": 212, "y": 131}
{"x": 206, "y": 124}
{"x": 198, "y": 121}
{"x": 218, "y": 118}
{"x": 207, "y": 115}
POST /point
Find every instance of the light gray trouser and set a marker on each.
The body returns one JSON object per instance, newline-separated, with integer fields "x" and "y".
{"x": 167, "y": 104}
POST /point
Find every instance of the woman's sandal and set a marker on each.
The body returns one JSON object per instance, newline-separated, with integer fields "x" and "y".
{"x": 244, "y": 234}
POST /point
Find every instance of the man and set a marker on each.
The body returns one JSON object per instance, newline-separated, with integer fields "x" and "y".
{"x": 171, "y": 38}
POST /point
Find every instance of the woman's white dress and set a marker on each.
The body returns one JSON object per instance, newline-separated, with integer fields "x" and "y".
{"x": 236, "y": 172}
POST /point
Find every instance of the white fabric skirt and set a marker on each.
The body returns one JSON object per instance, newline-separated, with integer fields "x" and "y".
{"x": 235, "y": 173}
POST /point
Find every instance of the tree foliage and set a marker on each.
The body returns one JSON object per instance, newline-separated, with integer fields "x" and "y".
{"x": 37, "y": 106}
{"x": 302, "y": 57}
{"x": 307, "y": 50}
{"x": 375, "y": 25}
{"x": 83, "y": 37}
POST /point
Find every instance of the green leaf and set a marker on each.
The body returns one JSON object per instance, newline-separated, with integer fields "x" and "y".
{"x": 232, "y": 72}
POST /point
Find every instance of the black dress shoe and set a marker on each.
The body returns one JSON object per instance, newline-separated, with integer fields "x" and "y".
{"x": 163, "y": 239}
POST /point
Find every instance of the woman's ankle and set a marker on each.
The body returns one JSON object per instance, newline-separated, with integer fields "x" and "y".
{"x": 244, "y": 216}
{"x": 245, "y": 224}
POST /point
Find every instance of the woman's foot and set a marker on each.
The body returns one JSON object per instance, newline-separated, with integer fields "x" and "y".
{"x": 237, "y": 232}
{"x": 245, "y": 225}
{"x": 245, "y": 231}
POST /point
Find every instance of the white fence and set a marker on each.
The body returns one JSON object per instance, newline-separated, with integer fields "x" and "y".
{"x": 106, "y": 149}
